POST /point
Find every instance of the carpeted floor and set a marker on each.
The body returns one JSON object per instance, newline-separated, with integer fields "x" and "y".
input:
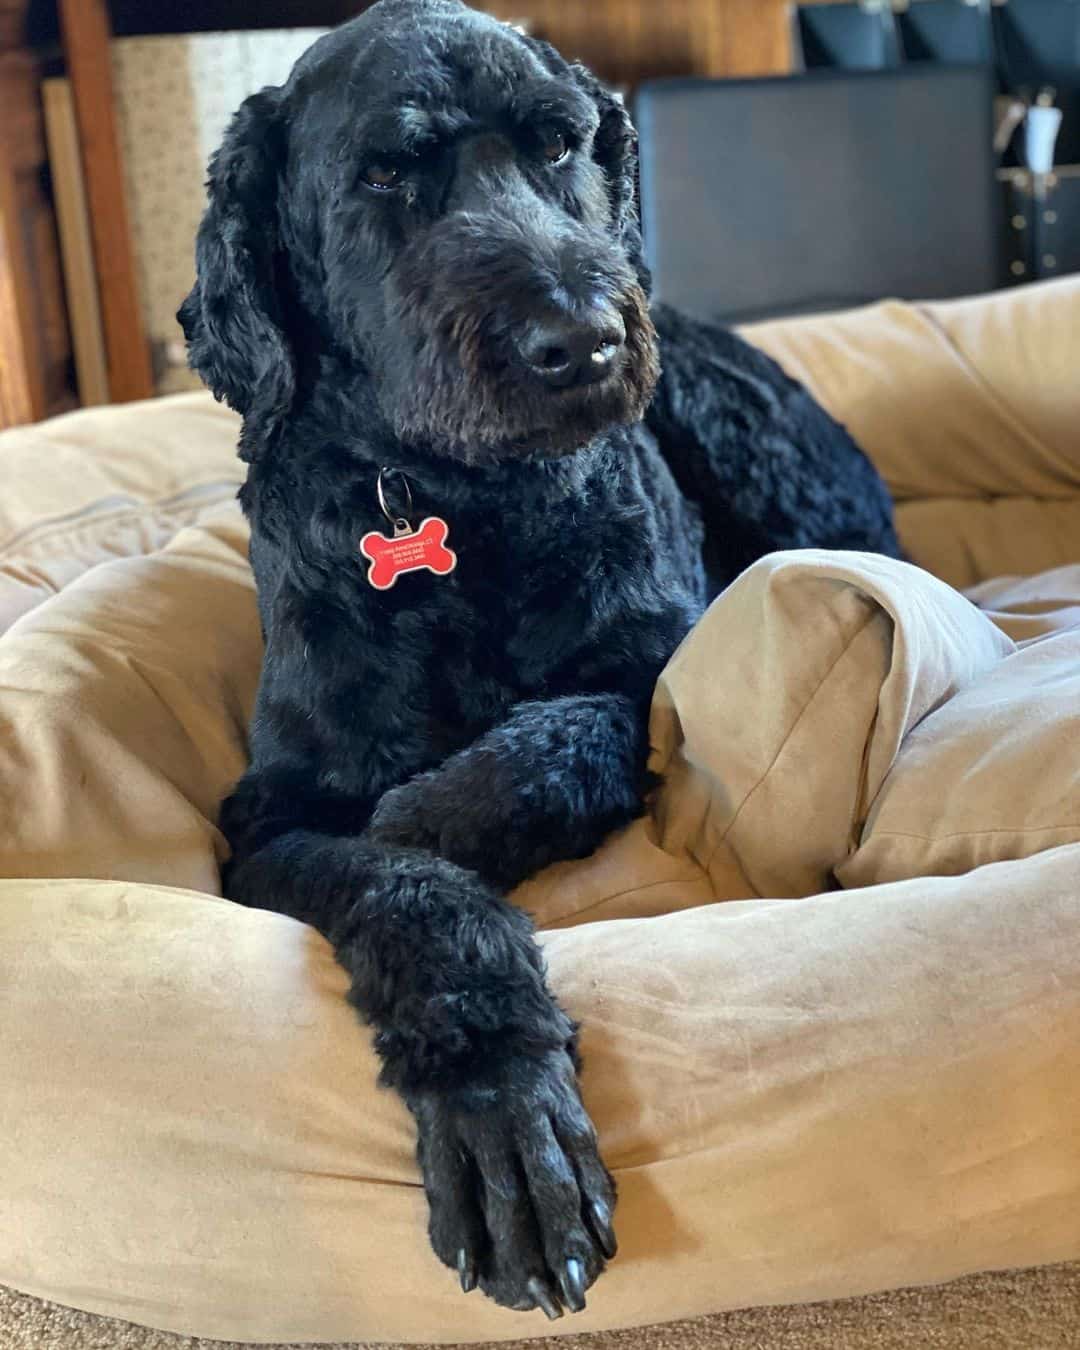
{"x": 1028, "y": 1310}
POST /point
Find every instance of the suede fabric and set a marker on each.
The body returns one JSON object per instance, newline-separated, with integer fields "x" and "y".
{"x": 969, "y": 409}
{"x": 804, "y": 1092}
{"x": 119, "y": 482}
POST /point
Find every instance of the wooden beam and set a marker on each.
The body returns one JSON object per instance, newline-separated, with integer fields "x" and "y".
{"x": 85, "y": 29}
{"x": 22, "y": 396}
{"x": 36, "y": 345}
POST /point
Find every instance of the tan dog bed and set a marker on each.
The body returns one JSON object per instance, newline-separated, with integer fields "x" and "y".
{"x": 804, "y": 1092}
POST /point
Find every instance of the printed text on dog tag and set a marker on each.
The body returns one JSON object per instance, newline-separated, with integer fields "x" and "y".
{"x": 416, "y": 551}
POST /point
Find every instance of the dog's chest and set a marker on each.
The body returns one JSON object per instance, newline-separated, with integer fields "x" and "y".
{"x": 546, "y": 576}
{"x": 525, "y": 592}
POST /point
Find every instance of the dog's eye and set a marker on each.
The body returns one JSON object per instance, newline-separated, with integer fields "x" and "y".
{"x": 381, "y": 177}
{"x": 555, "y": 148}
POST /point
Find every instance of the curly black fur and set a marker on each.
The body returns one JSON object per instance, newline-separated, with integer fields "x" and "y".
{"x": 381, "y": 232}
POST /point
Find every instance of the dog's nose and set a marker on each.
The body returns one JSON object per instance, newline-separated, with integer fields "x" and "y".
{"x": 564, "y": 351}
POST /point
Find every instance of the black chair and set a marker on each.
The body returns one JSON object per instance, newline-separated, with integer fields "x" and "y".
{"x": 781, "y": 196}
{"x": 844, "y": 37}
{"x": 950, "y": 31}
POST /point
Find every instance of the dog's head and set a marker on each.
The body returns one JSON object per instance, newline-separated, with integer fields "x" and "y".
{"x": 446, "y": 207}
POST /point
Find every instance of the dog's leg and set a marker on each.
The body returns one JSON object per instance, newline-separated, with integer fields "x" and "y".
{"x": 450, "y": 977}
{"x": 768, "y": 466}
{"x": 549, "y": 783}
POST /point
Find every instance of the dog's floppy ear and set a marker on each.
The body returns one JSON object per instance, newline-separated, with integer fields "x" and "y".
{"x": 615, "y": 150}
{"x": 232, "y": 319}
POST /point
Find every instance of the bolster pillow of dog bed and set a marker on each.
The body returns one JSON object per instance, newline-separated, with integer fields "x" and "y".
{"x": 803, "y": 1092}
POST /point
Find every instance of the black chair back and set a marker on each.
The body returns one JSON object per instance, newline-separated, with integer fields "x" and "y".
{"x": 780, "y": 196}
{"x": 945, "y": 30}
{"x": 845, "y": 37}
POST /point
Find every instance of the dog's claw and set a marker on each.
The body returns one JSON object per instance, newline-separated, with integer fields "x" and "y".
{"x": 573, "y": 1286}
{"x": 466, "y": 1271}
{"x": 543, "y": 1299}
{"x": 605, "y": 1234}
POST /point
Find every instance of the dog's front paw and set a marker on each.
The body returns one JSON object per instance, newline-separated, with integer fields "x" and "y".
{"x": 450, "y": 812}
{"x": 521, "y": 1203}
{"x": 408, "y": 816}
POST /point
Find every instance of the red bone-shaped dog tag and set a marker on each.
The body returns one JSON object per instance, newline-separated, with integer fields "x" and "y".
{"x": 408, "y": 552}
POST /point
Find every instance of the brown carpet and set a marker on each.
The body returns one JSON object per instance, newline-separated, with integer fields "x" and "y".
{"x": 1027, "y": 1310}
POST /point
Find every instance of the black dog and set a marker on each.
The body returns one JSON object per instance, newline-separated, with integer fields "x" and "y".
{"x": 422, "y": 254}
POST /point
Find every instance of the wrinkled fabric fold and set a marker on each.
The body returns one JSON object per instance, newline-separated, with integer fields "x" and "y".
{"x": 778, "y": 719}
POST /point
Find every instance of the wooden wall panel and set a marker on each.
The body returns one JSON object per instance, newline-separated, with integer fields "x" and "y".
{"x": 628, "y": 41}
{"x": 11, "y": 24}
{"x": 755, "y": 38}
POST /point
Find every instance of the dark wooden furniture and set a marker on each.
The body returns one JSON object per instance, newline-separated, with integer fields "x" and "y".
{"x": 85, "y": 29}
{"x": 35, "y": 347}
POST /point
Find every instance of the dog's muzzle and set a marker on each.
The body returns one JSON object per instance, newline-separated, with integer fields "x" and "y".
{"x": 503, "y": 331}
{"x": 570, "y": 348}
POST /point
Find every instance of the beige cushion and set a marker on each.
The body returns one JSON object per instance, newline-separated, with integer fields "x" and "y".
{"x": 804, "y": 1092}
{"x": 800, "y": 1100}
{"x": 819, "y": 666}
{"x": 207, "y": 1151}
{"x": 123, "y": 712}
{"x": 106, "y": 483}
{"x": 973, "y": 399}
{"x": 970, "y": 411}
{"x": 994, "y": 772}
